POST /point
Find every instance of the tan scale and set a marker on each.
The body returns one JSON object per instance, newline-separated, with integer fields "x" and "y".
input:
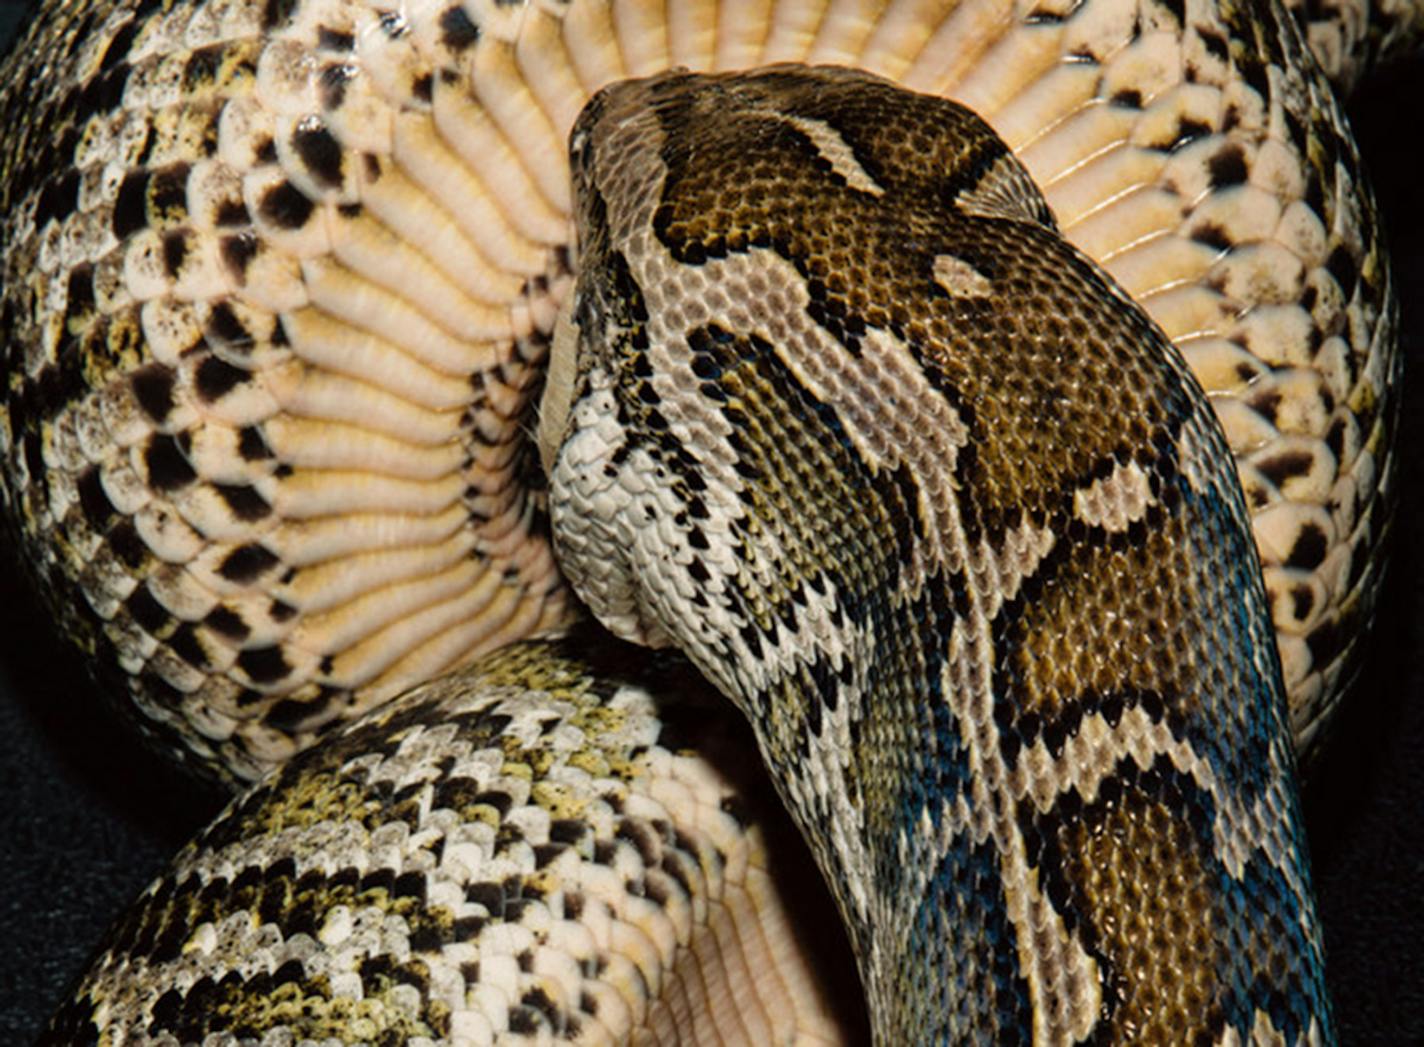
{"x": 326, "y": 852}
{"x": 267, "y": 452}
{"x": 854, "y": 516}
{"x": 386, "y": 390}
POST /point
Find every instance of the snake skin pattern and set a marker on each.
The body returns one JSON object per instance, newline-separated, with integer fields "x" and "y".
{"x": 565, "y": 843}
{"x": 278, "y": 279}
{"x": 861, "y": 523}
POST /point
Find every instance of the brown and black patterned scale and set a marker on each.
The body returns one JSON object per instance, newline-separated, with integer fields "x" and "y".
{"x": 562, "y": 842}
{"x": 159, "y": 459}
{"x": 951, "y": 521}
{"x": 196, "y": 380}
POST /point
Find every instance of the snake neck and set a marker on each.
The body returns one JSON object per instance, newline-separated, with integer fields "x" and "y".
{"x": 825, "y": 363}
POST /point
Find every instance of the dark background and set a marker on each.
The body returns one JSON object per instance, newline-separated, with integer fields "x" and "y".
{"x": 87, "y": 817}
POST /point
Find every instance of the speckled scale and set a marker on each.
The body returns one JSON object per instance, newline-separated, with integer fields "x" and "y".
{"x": 223, "y": 309}
{"x": 522, "y": 851}
{"x": 278, "y": 279}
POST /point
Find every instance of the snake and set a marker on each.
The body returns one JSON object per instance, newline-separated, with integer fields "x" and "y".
{"x": 982, "y": 410}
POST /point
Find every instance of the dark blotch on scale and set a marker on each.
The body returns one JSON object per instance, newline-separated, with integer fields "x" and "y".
{"x": 264, "y": 664}
{"x": 79, "y": 294}
{"x": 227, "y": 623}
{"x": 457, "y": 32}
{"x": 247, "y": 562}
{"x": 1214, "y": 43}
{"x": 153, "y": 388}
{"x": 167, "y": 461}
{"x": 251, "y": 446}
{"x": 238, "y": 251}
{"x": 224, "y": 328}
{"x": 244, "y": 501}
{"x": 147, "y": 196}
{"x": 321, "y": 153}
{"x": 1212, "y": 235}
{"x": 130, "y": 206}
{"x": 1188, "y": 131}
{"x": 175, "y": 250}
{"x": 328, "y": 39}
{"x": 127, "y": 545}
{"x": 1341, "y": 265}
{"x": 538, "y": 1000}
{"x": 332, "y": 84}
{"x": 1309, "y": 549}
{"x": 285, "y": 206}
{"x": 145, "y": 609}
{"x": 202, "y": 67}
{"x": 119, "y": 45}
{"x": 277, "y": 13}
{"x": 186, "y": 645}
{"x": 1228, "y": 167}
{"x": 215, "y": 378}
{"x": 98, "y": 510}
{"x": 1286, "y": 465}
{"x": 59, "y": 199}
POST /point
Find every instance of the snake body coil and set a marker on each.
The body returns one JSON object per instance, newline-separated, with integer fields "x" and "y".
{"x": 833, "y": 408}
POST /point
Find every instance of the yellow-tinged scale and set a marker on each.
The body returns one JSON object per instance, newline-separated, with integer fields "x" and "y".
{"x": 361, "y": 590}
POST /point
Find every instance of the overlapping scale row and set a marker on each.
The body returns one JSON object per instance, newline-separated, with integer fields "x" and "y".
{"x": 522, "y": 852}
{"x": 278, "y": 279}
{"x": 269, "y": 424}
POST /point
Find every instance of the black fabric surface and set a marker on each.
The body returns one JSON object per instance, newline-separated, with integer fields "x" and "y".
{"x": 87, "y": 817}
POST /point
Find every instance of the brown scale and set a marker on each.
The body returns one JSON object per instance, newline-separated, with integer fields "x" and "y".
{"x": 1126, "y": 597}
{"x": 1036, "y": 335}
{"x": 1037, "y": 353}
{"x": 1136, "y": 922}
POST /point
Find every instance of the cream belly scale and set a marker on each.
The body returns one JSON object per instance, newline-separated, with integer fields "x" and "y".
{"x": 840, "y": 415}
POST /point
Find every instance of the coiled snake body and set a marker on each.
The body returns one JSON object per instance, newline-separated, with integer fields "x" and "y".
{"x": 833, "y": 408}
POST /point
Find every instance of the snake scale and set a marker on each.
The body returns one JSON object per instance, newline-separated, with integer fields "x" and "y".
{"x": 832, "y": 407}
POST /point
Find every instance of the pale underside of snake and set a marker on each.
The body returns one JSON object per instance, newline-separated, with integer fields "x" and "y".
{"x": 834, "y": 408}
